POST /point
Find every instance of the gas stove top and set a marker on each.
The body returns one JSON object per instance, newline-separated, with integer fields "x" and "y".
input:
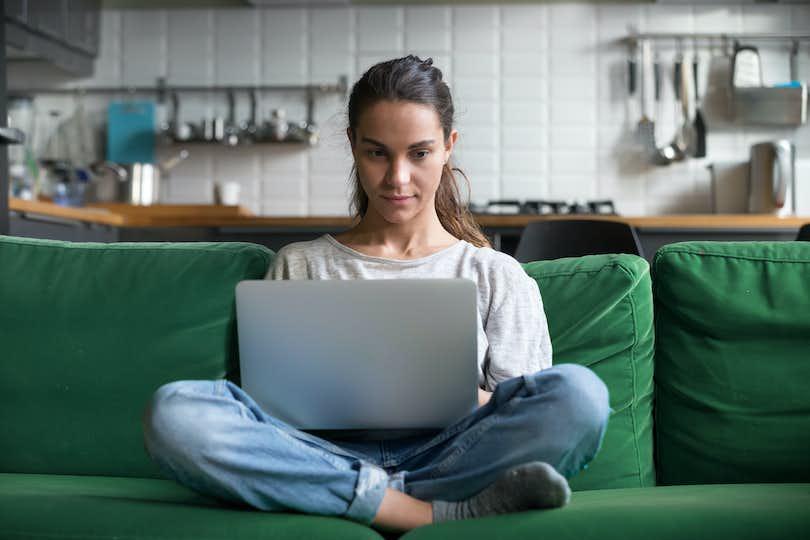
{"x": 543, "y": 207}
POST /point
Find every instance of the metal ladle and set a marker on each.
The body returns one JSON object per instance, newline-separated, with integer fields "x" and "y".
{"x": 684, "y": 139}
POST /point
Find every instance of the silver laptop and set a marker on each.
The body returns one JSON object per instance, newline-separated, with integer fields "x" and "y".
{"x": 384, "y": 357}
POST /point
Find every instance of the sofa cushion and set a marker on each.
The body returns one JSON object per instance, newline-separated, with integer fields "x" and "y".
{"x": 719, "y": 512}
{"x": 89, "y": 331}
{"x": 732, "y": 362}
{"x": 57, "y": 506}
{"x": 599, "y": 311}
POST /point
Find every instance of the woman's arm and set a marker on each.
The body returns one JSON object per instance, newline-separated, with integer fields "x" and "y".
{"x": 516, "y": 327}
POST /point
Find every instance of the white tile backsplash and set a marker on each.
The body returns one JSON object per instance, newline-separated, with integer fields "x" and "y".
{"x": 523, "y": 161}
{"x": 284, "y": 46}
{"x": 524, "y": 19}
{"x": 475, "y": 39}
{"x": 524, "y": 64}
{"x": 379, "y": 29}
{"x": 475, "y": 64}
{"x": 524, "y": 113}
{"x": 236, "y": 34}
{"x": 427, "y": 18}
{"x": 523, "y": 88}
{"x": 766, "y": 18}
{"x": 143, "y": 50}
{"x": 190, "y": 36}
{"x": 475, "y": 89}
{"x": 331, "y": 30}
{"x": 540, "y": 93}
{"x": 476, "y": 16}
{"x": 524, "y": 137}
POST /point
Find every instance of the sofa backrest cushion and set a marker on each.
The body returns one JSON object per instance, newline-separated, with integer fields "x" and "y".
{"x": 599, "y": 311}
{"x": 89, "y": 331}
{"x": 732, "y": 362}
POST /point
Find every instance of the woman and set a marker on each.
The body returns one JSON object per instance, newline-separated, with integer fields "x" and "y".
{"x": 536, "y": 424}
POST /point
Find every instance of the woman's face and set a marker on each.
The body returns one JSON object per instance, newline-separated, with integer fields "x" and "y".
{"x": 399, "y": 151}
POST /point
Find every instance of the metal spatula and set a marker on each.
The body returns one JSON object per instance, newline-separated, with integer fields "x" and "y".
{"x": 646, "y": 125}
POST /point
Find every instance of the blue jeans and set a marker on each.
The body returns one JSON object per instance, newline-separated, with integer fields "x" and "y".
{"x": 213, "y": 438}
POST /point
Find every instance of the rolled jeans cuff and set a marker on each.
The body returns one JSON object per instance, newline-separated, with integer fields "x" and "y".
{"x": 368, "y": 494}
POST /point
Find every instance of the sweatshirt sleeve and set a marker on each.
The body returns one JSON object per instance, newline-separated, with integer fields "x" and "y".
{"x": 517, "y": 330}
{"x": 280, "y": 269}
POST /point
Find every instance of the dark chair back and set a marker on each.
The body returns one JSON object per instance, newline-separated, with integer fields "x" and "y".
{"x": 554, "y": 239}
{"x": 804, "y": 233}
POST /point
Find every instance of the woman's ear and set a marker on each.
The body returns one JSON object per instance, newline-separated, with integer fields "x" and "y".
{"x": 449, "y": 143}
{"x": 350, "y": 135}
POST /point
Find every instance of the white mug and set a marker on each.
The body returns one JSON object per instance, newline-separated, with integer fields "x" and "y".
{"x": 230, "y": 193}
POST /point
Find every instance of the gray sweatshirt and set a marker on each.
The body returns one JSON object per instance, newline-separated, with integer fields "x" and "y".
{"x": 513, "y": 336}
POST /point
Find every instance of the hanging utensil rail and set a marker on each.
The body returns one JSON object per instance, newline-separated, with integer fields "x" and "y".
{"x": 634, "y": 38}
{"x": 163, "y": 90}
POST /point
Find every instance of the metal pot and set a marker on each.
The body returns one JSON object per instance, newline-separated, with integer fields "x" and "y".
{"x": 144, "y": 180}
{"x": 140, "y": 183}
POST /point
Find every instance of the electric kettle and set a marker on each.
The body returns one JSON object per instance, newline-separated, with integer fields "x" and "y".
{"x": 772, "y": 178}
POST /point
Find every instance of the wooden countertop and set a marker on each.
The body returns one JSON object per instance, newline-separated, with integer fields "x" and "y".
{"x": 123, "y": 215}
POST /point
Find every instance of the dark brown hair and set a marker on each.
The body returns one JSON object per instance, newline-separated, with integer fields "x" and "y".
{"x": 413, "y": 79}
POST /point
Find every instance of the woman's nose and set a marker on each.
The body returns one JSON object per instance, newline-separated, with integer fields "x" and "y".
{"x": 399, "y": 172}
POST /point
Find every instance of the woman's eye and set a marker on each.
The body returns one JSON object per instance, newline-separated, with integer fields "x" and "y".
{"x": 376, "y": 153}
{"x": 421, "y": 154}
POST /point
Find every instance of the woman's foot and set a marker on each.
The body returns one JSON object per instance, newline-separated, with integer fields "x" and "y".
{"x": 525, "y": 487}
{"x": 529, "y": 486}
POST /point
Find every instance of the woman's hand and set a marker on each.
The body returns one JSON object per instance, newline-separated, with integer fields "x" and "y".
{"x": 483, "y": 397}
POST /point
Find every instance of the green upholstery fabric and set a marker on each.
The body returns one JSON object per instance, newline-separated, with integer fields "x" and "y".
{"x": 716, "y": 512}
{"x": 71, "y": 507}
{"x": 732, "y": 362}
{"x": 89, "y": 331}
{"x": 599, "y": 311}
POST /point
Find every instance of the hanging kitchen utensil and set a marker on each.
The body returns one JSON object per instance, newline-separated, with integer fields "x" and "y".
{"x": 746, "y": 67}
{"x": 699, "y": 124}
{"x": 646, "y": 125}
{"x": 250, "y": 129}
{"x": 662, "y": 155}
{"x": 794, "y": 61}
{"x": 231, "y": 130}
{"x": 687, "y": 93}
{"x": 177, "y": 130}
{"x": 632, "y": 69}
{"x": 777, "y": 105}
{"x": 676, "y": 150}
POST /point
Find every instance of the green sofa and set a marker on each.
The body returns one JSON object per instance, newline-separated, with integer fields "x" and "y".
{"x": 709, "y": 438}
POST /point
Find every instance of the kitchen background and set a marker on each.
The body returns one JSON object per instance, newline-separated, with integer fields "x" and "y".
{"x": 540, "y": 91}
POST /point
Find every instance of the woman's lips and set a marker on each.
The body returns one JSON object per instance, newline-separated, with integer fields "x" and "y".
{"x": 398, "y": 200}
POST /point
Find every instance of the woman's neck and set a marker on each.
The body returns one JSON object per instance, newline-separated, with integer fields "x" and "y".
{"x": 380, "y": 238}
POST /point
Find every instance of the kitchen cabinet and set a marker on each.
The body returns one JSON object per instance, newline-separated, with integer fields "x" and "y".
{"x": 48, "y": 17}
{"x": 83, "y": 25}
{"x": 63, "y": 32}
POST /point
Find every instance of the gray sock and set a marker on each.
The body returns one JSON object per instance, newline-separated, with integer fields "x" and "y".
{"x": 525, "y": 487}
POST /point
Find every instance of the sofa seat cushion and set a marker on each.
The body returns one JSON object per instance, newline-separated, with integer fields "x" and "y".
{"x": 600, "y": 314}
{"x": 89, "y": 331}
{"x": 719, "y": 512}
{"x": 99, "y": 507}
{"x": 732, "y": 362}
